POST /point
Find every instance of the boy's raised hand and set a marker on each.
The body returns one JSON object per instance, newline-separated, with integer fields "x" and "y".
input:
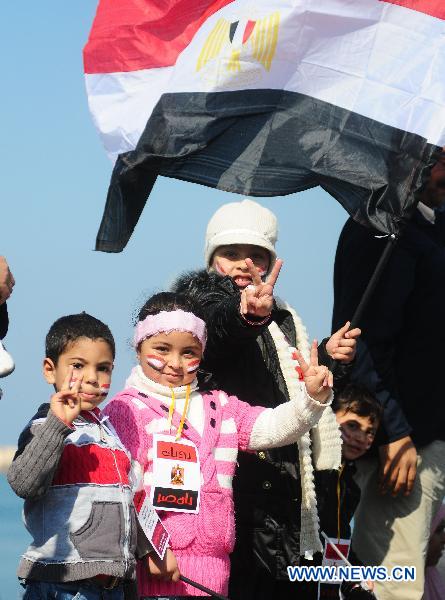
{"x": 257, "y": 298}
{"x": 342, "y": 344}
{"x": 66, "y": 403}
{"x": 318, "y": 379}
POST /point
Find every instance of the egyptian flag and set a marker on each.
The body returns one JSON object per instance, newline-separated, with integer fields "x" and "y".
{"x": 268, "y": 97}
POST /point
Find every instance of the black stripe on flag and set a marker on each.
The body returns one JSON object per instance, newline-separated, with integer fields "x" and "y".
{"x": 269, "y": 143}
{"x": 233, "y": 27}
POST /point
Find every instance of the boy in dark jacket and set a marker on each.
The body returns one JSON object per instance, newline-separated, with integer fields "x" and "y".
{"x": 358, "y": 414}
{"x": 249, "y": 351}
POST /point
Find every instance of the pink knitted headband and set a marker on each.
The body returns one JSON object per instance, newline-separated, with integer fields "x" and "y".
{"x": 167, "y": 321}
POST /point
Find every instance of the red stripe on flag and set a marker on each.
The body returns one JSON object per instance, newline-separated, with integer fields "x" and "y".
{"x": 435, "y": 8}
{"x": 249, "y": 28}
{"x": 91, "y": 464}
{"x": 131, "y": 35}
{"x": 331, "y": 553}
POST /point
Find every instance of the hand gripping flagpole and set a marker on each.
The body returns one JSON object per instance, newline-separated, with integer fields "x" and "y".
{"x": 198, "y": 586}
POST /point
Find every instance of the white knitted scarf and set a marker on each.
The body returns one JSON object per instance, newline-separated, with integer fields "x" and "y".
{"x": 326, "y": 441}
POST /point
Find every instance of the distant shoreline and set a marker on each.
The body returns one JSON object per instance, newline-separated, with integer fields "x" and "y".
{"x": 6, "y": 456}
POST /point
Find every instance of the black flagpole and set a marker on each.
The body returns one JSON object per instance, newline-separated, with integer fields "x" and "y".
{"x": 202, "y": 588}
{"x": 370, "y": 288}
{"x": 391, "y": 242}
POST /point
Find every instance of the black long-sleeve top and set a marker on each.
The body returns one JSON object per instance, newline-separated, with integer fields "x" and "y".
{"x": 3, "y": 320}
{"x": 401, "y": 354}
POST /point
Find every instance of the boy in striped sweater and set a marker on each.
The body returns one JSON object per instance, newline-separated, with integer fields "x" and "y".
{"x": 74, "y": 474}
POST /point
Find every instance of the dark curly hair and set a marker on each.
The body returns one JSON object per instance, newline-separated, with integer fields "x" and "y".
{"x": 358, "y": 399}
{"x": 70, "y": 328}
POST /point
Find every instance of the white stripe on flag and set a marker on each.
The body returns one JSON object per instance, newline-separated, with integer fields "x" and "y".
{"x": 121, "y": 104}
{"x": 380, "y": 60}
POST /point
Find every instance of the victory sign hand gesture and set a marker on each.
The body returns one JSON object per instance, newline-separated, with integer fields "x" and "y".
{"x": 257, "y": 298}
{"x": 318, "y": 379}
{"x": 66, "y": 403}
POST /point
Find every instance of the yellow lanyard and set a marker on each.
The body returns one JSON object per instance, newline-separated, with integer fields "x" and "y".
{"x": 171, "y": 410}
{"x": 338, "y": 502}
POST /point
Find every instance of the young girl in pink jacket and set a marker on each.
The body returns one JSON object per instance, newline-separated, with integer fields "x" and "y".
{"x": 184, "y": 442}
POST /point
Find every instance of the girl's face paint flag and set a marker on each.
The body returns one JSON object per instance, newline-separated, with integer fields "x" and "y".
{"x": 267, "y": 98}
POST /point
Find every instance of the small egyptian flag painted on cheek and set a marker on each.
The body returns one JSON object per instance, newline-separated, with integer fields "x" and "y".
{"x": 193, "y": 365}
{"x": 155, "y": 361}
{"x": 219, "y": 268}
{"x": 104, "y": 389}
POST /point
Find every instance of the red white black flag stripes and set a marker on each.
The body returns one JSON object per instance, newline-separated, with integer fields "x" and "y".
{"x": 267, "y": 98}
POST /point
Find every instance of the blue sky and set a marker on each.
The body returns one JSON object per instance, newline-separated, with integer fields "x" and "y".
{"x": 54, "y": 181}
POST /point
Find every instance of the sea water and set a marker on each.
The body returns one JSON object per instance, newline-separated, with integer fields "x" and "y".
{"x": 14, "y": 539}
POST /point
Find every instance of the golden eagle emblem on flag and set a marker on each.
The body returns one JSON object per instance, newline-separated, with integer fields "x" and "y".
{"x": 246, "y": 39}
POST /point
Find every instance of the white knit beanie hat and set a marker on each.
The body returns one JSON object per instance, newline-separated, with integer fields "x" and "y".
{"x": 244, "y": 222}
